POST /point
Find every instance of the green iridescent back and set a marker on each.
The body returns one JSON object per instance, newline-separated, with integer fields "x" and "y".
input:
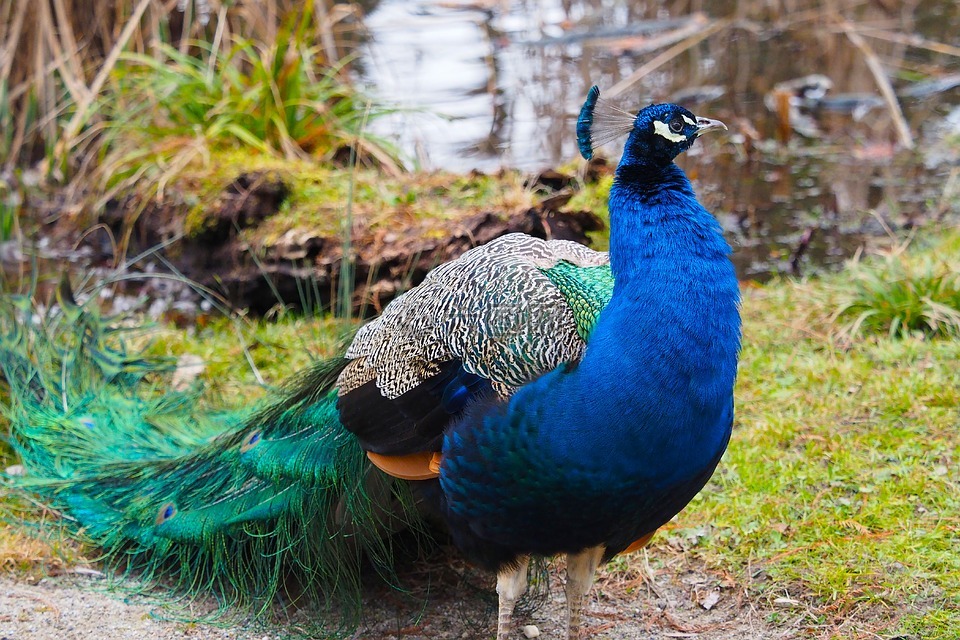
{"x": 586, "y": 289}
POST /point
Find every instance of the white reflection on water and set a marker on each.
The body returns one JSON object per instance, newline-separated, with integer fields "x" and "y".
{"x": 509, "y": 75}
{"x": 465, "y": 71}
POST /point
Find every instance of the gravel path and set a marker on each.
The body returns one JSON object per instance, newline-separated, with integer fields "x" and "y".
{"x": 675, "y": 606}
{"x": 78, "y": 609}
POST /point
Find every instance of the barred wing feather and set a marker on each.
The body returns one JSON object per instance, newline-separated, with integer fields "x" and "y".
{"x": 497, "y": 317}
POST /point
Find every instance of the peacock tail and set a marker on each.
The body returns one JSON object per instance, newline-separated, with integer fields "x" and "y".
{"x": 180, "y": 495}
{"x": 532, "y": 397}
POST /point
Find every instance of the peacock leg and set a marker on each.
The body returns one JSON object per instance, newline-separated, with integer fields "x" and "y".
{"x": 511, "y": 583}
{"x": 581, "y": 568}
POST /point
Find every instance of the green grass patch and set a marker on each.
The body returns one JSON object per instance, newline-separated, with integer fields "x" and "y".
{"x": 902, "y": 292}
{"x": 165, "y": 111}
{"x": 241, "y": 358}
{"x": 841, "y": 486}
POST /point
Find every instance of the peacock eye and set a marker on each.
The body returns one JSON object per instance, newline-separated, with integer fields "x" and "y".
{"x": 250, "y": 440}
{"x": 166, "y": 512}
{"x": 676, "y": 125}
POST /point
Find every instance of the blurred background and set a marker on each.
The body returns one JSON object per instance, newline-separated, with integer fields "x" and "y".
{"x": 844, "y": 115}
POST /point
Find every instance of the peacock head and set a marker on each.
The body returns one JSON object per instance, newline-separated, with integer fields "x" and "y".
{"x": 661, "y": 132}
{"x": 657, "y": 135}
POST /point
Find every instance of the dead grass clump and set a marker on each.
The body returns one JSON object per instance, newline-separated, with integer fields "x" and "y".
{"x": 56, "y": 58}
{"x": 25, "y": 553}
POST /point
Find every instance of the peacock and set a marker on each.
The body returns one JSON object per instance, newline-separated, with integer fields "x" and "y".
{"x": 532, "y": 398}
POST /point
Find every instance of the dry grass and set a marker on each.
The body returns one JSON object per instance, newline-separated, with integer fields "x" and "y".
{"x": 31, "y": 545}
{"x": 21, "y": 554}
{"x": 58, "y": 55}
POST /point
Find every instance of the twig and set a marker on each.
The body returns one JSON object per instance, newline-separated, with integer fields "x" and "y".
{"x": 187, "y": 28}
{"x": 6, "y": 66}
{"x": 801, "y": 249}
{"x": 642, "y": 44}
{"x": 37, "y": 598}
{"x": 647, "y": 575}
{"x": 64, "y": 56}
{"x": 66, "y": 35}
{"x": 665, "y": 57}
{"x": 883, "y": 82}
{"x": 911, "y": 40}
{"x": 78, "y": 571}
{"x": 12, "y": 40}
{"x": 325, "y": 29}
{"x": 947, "y": 196}
{"x": 217, "y": 41}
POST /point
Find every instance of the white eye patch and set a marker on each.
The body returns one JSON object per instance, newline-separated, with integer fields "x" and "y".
{"x": 663, "y": 129}
{"x": 688, "y": 120}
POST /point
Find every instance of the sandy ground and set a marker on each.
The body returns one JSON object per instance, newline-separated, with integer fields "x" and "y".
{"x": 687, "y": 604}
{"x": 75, "y": 609}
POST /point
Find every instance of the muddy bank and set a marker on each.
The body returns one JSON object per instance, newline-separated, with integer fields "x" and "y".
{"x": 302, "y": 266}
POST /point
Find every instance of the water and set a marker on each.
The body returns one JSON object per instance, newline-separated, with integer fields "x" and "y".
{"x": 509, "y": 78}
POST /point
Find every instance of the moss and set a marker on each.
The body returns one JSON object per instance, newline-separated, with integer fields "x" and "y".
{"x": 320, "y": 196}
{"x": 308, "y": 182}
{"x": 593, "y": 197}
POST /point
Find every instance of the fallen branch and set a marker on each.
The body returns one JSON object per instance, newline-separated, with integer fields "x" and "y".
{"x": 912, "y": 40}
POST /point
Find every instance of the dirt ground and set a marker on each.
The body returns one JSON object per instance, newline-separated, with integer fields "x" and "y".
{"x": 454, "y": 603}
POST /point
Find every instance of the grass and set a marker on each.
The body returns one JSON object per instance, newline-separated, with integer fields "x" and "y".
{"x": 840, "y": 491}
{"x": 99, "y": 100}
{"x": 237, "y": 354}
{"x": 33, "y": 551}
{"x": 10, "y": 205}
{"x": 170, "y": 108}
{"x": 53, "y": 82}
{"x": 903, "y": 292}
{"x": 841, "y": 481}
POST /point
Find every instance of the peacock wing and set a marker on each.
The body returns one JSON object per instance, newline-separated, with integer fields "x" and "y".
{"x": 495, "y": 318}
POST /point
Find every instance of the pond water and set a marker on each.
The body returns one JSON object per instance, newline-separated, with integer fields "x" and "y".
{"x": 817, "y": 158}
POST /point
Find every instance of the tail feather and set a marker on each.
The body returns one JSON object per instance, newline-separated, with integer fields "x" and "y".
{"x": 242, "y": 505}
{"x": 305, "y": 457}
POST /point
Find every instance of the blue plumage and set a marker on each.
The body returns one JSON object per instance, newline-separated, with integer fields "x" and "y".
{"x": 547, "y": 399}
{"x": 603, "y": 455}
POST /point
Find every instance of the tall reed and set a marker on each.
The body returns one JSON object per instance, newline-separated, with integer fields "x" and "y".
{"x": 56, "y": 55}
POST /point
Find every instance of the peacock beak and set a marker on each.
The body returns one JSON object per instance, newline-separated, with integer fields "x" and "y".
{"x": 706, "y": 124}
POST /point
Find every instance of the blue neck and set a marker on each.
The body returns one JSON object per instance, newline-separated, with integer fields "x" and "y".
{"x": 656, "y": 221}
{"x": 659, "y": 369}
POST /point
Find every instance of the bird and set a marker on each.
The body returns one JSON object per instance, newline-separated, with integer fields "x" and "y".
{"x": 531, "y": 398}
